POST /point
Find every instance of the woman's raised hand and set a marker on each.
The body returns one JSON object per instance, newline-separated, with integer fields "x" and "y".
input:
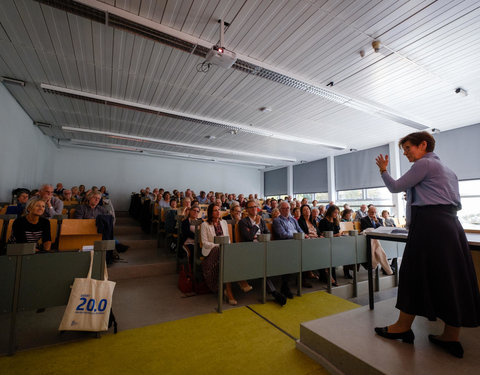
{"x": 382, "y": 162}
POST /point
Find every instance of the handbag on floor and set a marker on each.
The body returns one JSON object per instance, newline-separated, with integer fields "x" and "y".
{"x": 185, "y": 279}
{"x": 89, "y": 305}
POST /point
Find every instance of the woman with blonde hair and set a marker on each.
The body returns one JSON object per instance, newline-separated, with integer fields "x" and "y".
{"x": 32, "y": 227}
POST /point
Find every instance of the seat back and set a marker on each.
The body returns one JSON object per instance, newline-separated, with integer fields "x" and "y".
{"x": 237, "y": 233}
{"x": 8, "y": 232}
{"x": 346, "y": 226}
{"x": 53, "y": 229}
{"x": 230, "y": 232}
{"x": 270, "y": 229}
{"x": 357, "y": 226}
{"x": 76, "y": 233}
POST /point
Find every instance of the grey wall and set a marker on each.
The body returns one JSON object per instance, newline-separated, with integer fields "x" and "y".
{"x": 28, "y": 159}
{"x": 25, "y": 153}
{"x": 123, "y": 173}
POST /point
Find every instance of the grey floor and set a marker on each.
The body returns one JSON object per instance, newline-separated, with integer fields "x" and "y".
{"x": 146, "y": 293}
{"x": 347, "y": 340}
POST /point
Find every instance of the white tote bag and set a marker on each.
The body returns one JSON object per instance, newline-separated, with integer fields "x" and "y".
{"x": 89, "y": 304}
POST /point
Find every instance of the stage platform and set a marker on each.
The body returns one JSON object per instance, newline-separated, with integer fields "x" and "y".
{"x": 345, "y": 343}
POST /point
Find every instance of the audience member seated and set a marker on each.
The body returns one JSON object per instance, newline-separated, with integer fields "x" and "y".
{"x": 314, "y": 203}
{"x": 371, "y": 222}
{"x": 214, "y": 226}
{"x": 187, "y": 241}
{"x": 186, "y": 204}
{"x": 267, "y": 207}
{"x": 331, "y": 223}
{"x": 202, "y": 199}
{"x": 32, "y": 227}
{"x": 149, "y": 195}
{"x": 76, "y": 194}
{"x": 91, "y": 208}
{"x": 104, "y": 192}
{"x": 297, "y": 213}
{"x": 67, "y": 195}
{"x": 284, "y": 226}
{"x": 225, "y": 206}
{"x": 235, "y": 213}
{"x": 22, "y": 199}
{"x": 82, "y": 192}
{"x": 311, "y": 231}
{"x": 321, "y": 211}
{"x": 171, "y": 217}
{"x": 253, "y": 224}
{"x": 242, "y": 200}
{"x": 250, "y": 227}
{"x": 347, "y": 215}
{"x": 361, "y": 213}
{"x": 315, "y": 219}
{"x": 275, "y": 213}
{"x": 59, "y": 190}
{"x": 35, "y": 193}
{"x": 165, "y": 201}
{"x": 388, "y": 221}
{"x": 53, "y": 205}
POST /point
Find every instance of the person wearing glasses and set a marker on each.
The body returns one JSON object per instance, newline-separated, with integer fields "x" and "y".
{"x": 284, "y": 227}
{"x": 437, "y": 275}
{"x": 250, "y": 227}
{"x": 235, "y": 213}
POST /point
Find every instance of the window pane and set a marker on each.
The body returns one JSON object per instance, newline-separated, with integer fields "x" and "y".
{"x": 321, "y": 197}
{"x": 471, "y": 187}
{"x": 470, "y": 212}
{"x": 349, "y": 195}
{"x": 379, "y": 194}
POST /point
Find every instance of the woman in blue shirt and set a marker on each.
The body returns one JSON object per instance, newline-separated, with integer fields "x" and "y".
{"x": 437, "y": 276}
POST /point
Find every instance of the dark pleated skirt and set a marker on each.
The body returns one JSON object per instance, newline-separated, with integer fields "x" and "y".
{"x": 210, "y": 269}
{"x": 437, "y": 277}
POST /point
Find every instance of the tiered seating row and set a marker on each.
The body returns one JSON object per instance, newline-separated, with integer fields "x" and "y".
{"x": 74, "y": 233}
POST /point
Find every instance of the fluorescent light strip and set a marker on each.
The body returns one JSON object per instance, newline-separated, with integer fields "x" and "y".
{"x": 209, "y": 121}
{"x": 151, "y": 152}
{"x": 164, "y": 141}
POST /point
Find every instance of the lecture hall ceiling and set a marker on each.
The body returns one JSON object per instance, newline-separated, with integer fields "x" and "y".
{"x": 122, "y": 75}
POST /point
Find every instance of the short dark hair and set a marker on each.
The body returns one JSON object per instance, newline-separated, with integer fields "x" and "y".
{"x": 417, "y": 138}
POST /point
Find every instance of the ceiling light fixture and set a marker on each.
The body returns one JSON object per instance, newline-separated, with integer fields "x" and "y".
{"x": 181, "y": 144}
{"x": 152, "y": 152}
{"x": 42, "y": 124}
{"x": 186, "y": 116}
{"x": 12, "y": 81}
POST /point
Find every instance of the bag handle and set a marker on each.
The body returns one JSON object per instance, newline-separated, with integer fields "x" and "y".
{"x": 89, "y": 275}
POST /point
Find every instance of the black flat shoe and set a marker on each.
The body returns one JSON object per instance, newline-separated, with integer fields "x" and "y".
{"x": 407, "y": 336}
{"x": 279, "y": 298}
{"x": 286, "y": 292}
{"x": 453, "y": 347}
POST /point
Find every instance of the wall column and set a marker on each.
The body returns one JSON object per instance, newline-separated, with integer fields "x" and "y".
{"x": 331, "y": 178}
{"x": 290, "y": 180}
{"x": 394, "y": 163}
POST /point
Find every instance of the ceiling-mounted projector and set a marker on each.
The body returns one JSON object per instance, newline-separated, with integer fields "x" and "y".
{"x": 221, "y": 57}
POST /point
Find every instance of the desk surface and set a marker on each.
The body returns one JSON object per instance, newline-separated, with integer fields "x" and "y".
{"x": 472, "y": 238}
